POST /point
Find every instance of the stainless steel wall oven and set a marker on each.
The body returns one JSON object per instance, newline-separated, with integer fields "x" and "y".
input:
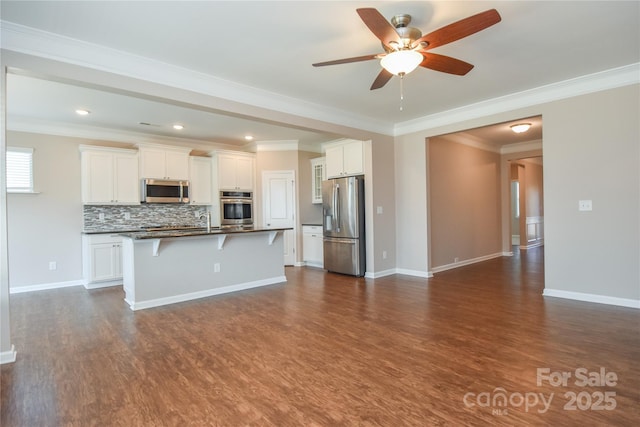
{"x": 236, "y": 208}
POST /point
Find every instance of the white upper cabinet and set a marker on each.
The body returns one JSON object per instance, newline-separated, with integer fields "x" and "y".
{"x": 345, "y": 159}
{"x": 318, "y": 174}
{"x": 109, "y": 176}
{"x": 200, "y": 177}
{"x": 235, "y": 171}
{"x": 164, "y": 163}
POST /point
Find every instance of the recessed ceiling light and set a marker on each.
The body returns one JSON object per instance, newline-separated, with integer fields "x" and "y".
{"x": 520, "y": 127}
{"x": 248, "y": 137}
{"x": 178, "y": 127}
{"x": 81, "y": 112}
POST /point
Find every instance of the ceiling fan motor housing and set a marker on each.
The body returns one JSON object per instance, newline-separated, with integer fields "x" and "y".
{"x": 407, "y": 34}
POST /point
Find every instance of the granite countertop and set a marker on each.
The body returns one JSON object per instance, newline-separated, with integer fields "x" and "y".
{"x": 141, "y": 235}
{"x": 113, "y": 231}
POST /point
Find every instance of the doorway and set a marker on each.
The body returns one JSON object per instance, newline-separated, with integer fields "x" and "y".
{"x": 478, "y": 207}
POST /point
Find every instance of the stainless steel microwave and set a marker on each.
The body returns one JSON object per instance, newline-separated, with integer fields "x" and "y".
{"x": 164, "y": 191}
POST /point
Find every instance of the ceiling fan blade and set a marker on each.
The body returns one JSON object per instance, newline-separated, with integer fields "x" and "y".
{"x": 460, "y": 29}
{"x": 378, "y": 25}
{"x": 445, "y": 64}
{"x": 381, "y": 80}
{"x": 346, "y": 60}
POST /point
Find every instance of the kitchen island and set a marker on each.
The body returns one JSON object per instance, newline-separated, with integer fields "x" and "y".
{"x": 166, "y": 267}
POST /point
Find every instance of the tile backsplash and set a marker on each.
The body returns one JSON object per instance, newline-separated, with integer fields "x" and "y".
{"x": 117, "y": 218}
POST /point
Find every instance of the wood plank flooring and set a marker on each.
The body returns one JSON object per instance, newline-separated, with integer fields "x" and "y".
{"x": 325, "y": 350}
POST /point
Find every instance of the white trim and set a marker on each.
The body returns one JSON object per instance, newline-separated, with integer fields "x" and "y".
{"x": 532, "y": 245}
{"x": 44, "y": 286}
{"x": 141, "y": 305}
{"x": 599, "y": 299}
{"x": 378, "y": 274}
{"x": 609, "y": 79}
{"x": 8, "y": 356}
{"x": 520, "y": 147}
{"x": 98, "y": 285}
{"x": 415, "y": 273}
{"x": 283, "y": 145}
{"x": 507, "y": 253}
{"x": 466, "y": 262}
{"x": 32, "y": 41}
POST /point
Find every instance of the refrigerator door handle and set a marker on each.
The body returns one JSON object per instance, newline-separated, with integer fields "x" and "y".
{"x": 337, "y": 205}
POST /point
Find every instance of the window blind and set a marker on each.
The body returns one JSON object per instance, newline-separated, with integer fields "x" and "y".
{"x": 19, "y": 170}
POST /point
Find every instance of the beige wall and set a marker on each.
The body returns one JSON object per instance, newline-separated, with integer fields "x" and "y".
{"x": 464, "y": 195}
{"x": 592, "y": 151}
{"x": 591, "y": 147}
{"x": 299, "y": 162}
{"x": 534, "y": 206}
{"x": 309, "y": 213}
{"x": 47, "y": 226}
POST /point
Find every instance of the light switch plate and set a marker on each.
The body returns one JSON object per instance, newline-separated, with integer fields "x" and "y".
{"x": 585, "y": 205}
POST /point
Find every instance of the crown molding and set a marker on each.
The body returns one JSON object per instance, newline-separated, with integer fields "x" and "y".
{"x": 31, "y": 41}
{"x": 284, "y": 145}
{"x": 609, "y": 79}
{"x": 521, "y": 147}
{"x": 472, "y": 141}
{"x": 45, "y": 127}
{"x": 52, "y": 46}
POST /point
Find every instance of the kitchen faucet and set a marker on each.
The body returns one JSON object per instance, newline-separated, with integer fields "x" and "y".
{"x": 208, "y": 216}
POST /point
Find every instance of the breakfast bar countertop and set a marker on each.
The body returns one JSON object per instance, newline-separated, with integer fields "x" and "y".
{"x": 160, "y": 234}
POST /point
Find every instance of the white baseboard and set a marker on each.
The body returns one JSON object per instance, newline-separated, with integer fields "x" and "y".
{"x": 415, "y": 273}
{"x": 98, "y": 285}
{"x": 8, "y": 356}
{"x": 532, "y": 245}
{"x": 140, "y": 305}
{"x": 44, "y": 286}
{"x": 313, "y": 264}
{"x": 466, "y": 262}
{"x": 600, "y": 299}
{"x": 378, "y": 274}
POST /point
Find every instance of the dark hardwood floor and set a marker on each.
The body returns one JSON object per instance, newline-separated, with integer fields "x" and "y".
{"x": 463, "y": 348}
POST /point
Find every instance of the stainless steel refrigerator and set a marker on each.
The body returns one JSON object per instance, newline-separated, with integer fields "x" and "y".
{"x": 343, "y": 225}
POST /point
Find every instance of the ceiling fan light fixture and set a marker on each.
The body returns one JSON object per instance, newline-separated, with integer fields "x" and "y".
{"x": 520, "y": 127}
{"x": 401, "y": 62}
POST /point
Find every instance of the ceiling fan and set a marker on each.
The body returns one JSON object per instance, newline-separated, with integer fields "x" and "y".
{"x": 406, "y": 48}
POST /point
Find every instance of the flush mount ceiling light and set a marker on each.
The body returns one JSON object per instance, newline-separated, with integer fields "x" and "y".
{"x": 520, "y": 127}
{"x": 248, "y": 137}
{"x": 82, "y": 112}
{"x": 178, "y": 127}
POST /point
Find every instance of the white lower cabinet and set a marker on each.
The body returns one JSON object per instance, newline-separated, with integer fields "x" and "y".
{"x": 101, "y": 260}
{"x": 312, "y": 252}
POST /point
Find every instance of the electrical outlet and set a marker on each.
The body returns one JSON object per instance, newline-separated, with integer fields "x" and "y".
{"x": 101, "y": 216}
{"x": 456, "y": 259}
{"x": 384, "y": 254}
{"x": 216, "y": 267}
{"x": 585, "y": 205}
{"x": 53, "y": 265}
{"x": 127, "y": 216}
{"x": 379, "y": 210}
{"x": 197, "y": 213}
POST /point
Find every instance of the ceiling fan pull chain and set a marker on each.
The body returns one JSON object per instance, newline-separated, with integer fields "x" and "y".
{"x": 401, "y": 91}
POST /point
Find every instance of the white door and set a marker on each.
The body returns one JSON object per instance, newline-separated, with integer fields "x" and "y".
{"x": 279, "y": 207}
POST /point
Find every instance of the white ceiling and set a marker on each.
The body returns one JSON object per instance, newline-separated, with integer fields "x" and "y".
{"x": 268, "y": 47}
